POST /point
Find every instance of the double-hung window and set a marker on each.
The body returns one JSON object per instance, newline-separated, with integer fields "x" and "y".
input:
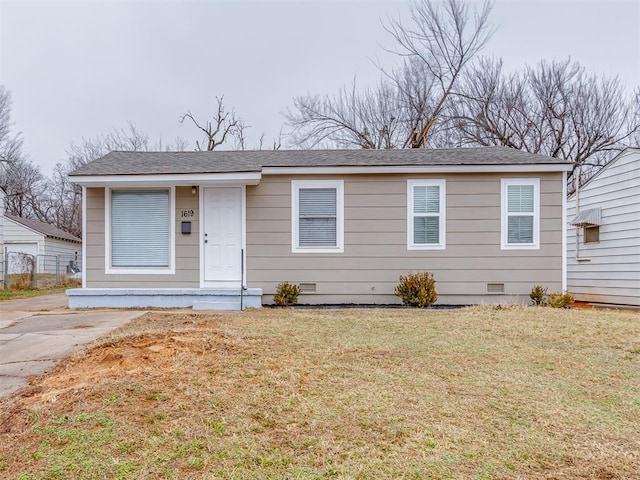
{"x": 520, "y": 213}
{"x": 139, "y": 237}
{"x": 317, "y": 222}
{"x": 426, "y": 225}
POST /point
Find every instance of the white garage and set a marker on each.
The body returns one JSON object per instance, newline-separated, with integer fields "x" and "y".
{"x": 50, "y": 248}
{"x": 19, "y": 253}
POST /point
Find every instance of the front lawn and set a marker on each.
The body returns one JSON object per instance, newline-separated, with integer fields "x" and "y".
{"x": 477, "y": 393}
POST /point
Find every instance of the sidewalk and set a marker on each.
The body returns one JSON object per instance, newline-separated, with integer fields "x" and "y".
{"x": 36, "y": 333}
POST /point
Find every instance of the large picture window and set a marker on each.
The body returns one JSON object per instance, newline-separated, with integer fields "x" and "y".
{"x": 317, "y": 216}
{"x": 426, "y": 214}
{"x": 139, "y": 234}
{"x": 520, "y": 213}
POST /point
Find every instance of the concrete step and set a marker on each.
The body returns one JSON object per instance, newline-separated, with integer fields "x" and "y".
{"x": 213, "y": 305}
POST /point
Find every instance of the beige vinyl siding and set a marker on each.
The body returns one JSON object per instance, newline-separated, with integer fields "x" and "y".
{"x": 375, "y": 251}
{"x": 187, "y": 273}
{"x": 610, "y": 270}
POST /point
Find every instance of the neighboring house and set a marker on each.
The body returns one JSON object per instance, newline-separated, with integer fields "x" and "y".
{"x": 50, "y": 247}
{"x": 188, "y": 228}
{"x": 3, "y": 196}
{"x": 604, "y": 234}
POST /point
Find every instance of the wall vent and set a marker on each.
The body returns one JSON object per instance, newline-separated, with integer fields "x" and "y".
{"x": 495, "y": 287}
{"x": 307, "y": 288}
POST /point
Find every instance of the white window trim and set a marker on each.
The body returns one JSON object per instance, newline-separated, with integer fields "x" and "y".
{"x": 442, "y": 244}
{"x": 504, "y": 244}
{"x": 171, "y": 269}
{"x": 296, "y": 185}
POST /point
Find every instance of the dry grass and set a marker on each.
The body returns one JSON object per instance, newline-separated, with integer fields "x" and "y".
{"x": 30, "y": 292}
{"x": 475, "y": 393}
{"x": 46, "y": 282}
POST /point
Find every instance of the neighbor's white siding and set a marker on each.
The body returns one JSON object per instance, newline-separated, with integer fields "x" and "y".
{"x": 18, "y": 236}
{"x": 608, "y": 271}
{"x": 2, "y": 200}
{"x": 16, "y": 233}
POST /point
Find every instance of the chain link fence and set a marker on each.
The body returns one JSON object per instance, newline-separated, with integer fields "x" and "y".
{"x": 22, "y": 270}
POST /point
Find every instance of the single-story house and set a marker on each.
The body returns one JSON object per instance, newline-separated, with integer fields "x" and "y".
{"x": 192, "y": 228}
{"x": 52, "y": 248}
{"x": 603, "y": 239}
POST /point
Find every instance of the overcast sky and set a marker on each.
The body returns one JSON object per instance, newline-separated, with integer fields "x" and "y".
{"x": 79, "y": 69}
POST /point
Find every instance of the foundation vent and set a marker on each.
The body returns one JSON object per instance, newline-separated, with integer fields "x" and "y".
{"x": 307, "y": 288}
{"x": 495, "y": 287}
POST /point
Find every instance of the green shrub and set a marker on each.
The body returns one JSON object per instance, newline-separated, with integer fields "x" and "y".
{"x": 417, "y": 289}
{"x": 561, "y": 299}
{"x": 538, "y": 295}
{"x": 286, "y": 294}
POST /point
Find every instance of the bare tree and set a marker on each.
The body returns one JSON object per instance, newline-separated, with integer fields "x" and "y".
{"x": 128, "y": 138}
{"x": 62, "y": 202}
{"x": 442, "y": 41}
{"x": 216, "y": 132}
{"x": 25, "y": 186}
{"x": 436, "y": 46}
{"x": 19, "y": 177}
{"x": 370, "y": 118}
{"x": 10, "y": 143}
{"x": 554, "y": 109}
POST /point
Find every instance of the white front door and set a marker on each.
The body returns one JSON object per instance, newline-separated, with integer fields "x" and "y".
{"x": 222, "y": 236}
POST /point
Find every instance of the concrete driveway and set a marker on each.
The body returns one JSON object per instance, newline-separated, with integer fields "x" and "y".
{"x": 36, "y": 333}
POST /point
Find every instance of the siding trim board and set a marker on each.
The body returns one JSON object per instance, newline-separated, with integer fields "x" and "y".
{"x": 84, "y": 237}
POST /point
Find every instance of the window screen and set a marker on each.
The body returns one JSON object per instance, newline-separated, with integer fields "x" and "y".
{"x": 520, "y": 212}
{"x": 317, "y": 210}
{"x": 140, "y": 228}
{"x": 426, "y": 214}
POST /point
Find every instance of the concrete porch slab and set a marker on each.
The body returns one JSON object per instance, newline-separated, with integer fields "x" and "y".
{"x": 163, "y": 297}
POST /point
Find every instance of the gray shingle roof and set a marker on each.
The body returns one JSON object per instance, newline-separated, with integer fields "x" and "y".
{"x": 145, "y": 163}
{"x": 44, "y": 228}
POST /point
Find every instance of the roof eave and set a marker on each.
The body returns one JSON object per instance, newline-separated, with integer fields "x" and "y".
{"x": 163, "y": 180}
{"x": 484, "y": 168}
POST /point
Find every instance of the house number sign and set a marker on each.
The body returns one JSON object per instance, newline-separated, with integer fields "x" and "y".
{"x": 190, "y": 213}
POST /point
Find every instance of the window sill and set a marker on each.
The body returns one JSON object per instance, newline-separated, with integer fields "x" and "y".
{"x": 520, "y": 247}
{"x": 426, "y": 247}
{"x": 139, "y": 271}
{"x": 318, "y": 250}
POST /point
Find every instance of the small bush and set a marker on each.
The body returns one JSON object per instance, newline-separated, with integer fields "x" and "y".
{"x": 21, "y": 281}
{"x": 561, "y": 299}
{"x": 538, "y": 295}
{"x": 417, "y": 289}
{"x": 286, "y": 294}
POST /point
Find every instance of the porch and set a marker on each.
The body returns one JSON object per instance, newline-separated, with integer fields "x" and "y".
{"x": 196, "y": 298}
